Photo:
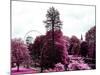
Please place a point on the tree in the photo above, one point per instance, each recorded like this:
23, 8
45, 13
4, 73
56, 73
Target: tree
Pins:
75, 45
37, 46
30, 49
67, 44
54, 50
59, 54
91, 40
36, 49
19, 52
84, 49
53, 23
78, 65
53, 19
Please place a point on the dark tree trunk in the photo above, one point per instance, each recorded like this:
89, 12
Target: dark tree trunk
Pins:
41, 63
27, 66
53, 33
41, 69
17, 67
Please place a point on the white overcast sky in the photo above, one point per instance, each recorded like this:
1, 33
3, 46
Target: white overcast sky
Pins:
28, 16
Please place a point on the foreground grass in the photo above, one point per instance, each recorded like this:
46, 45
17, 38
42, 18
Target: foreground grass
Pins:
23, 71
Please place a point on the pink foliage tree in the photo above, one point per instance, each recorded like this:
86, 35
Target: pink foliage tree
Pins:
58, 54
78, 64
75, 45
37, 49
38, 43
91, 40
54, 49
19, 52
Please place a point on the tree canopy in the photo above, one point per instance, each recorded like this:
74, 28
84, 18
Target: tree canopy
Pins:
19, 51
53, 19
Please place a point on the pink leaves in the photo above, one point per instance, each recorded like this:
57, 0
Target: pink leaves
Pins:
77, 64
59, 53
58, 68
19, 50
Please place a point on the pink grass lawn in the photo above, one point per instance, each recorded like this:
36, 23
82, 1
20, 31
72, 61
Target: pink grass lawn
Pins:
23, 71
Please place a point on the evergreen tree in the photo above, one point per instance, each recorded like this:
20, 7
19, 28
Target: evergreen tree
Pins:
53, 19
54, 49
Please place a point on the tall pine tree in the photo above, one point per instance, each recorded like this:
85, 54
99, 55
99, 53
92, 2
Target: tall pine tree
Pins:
54, 49
53, 19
